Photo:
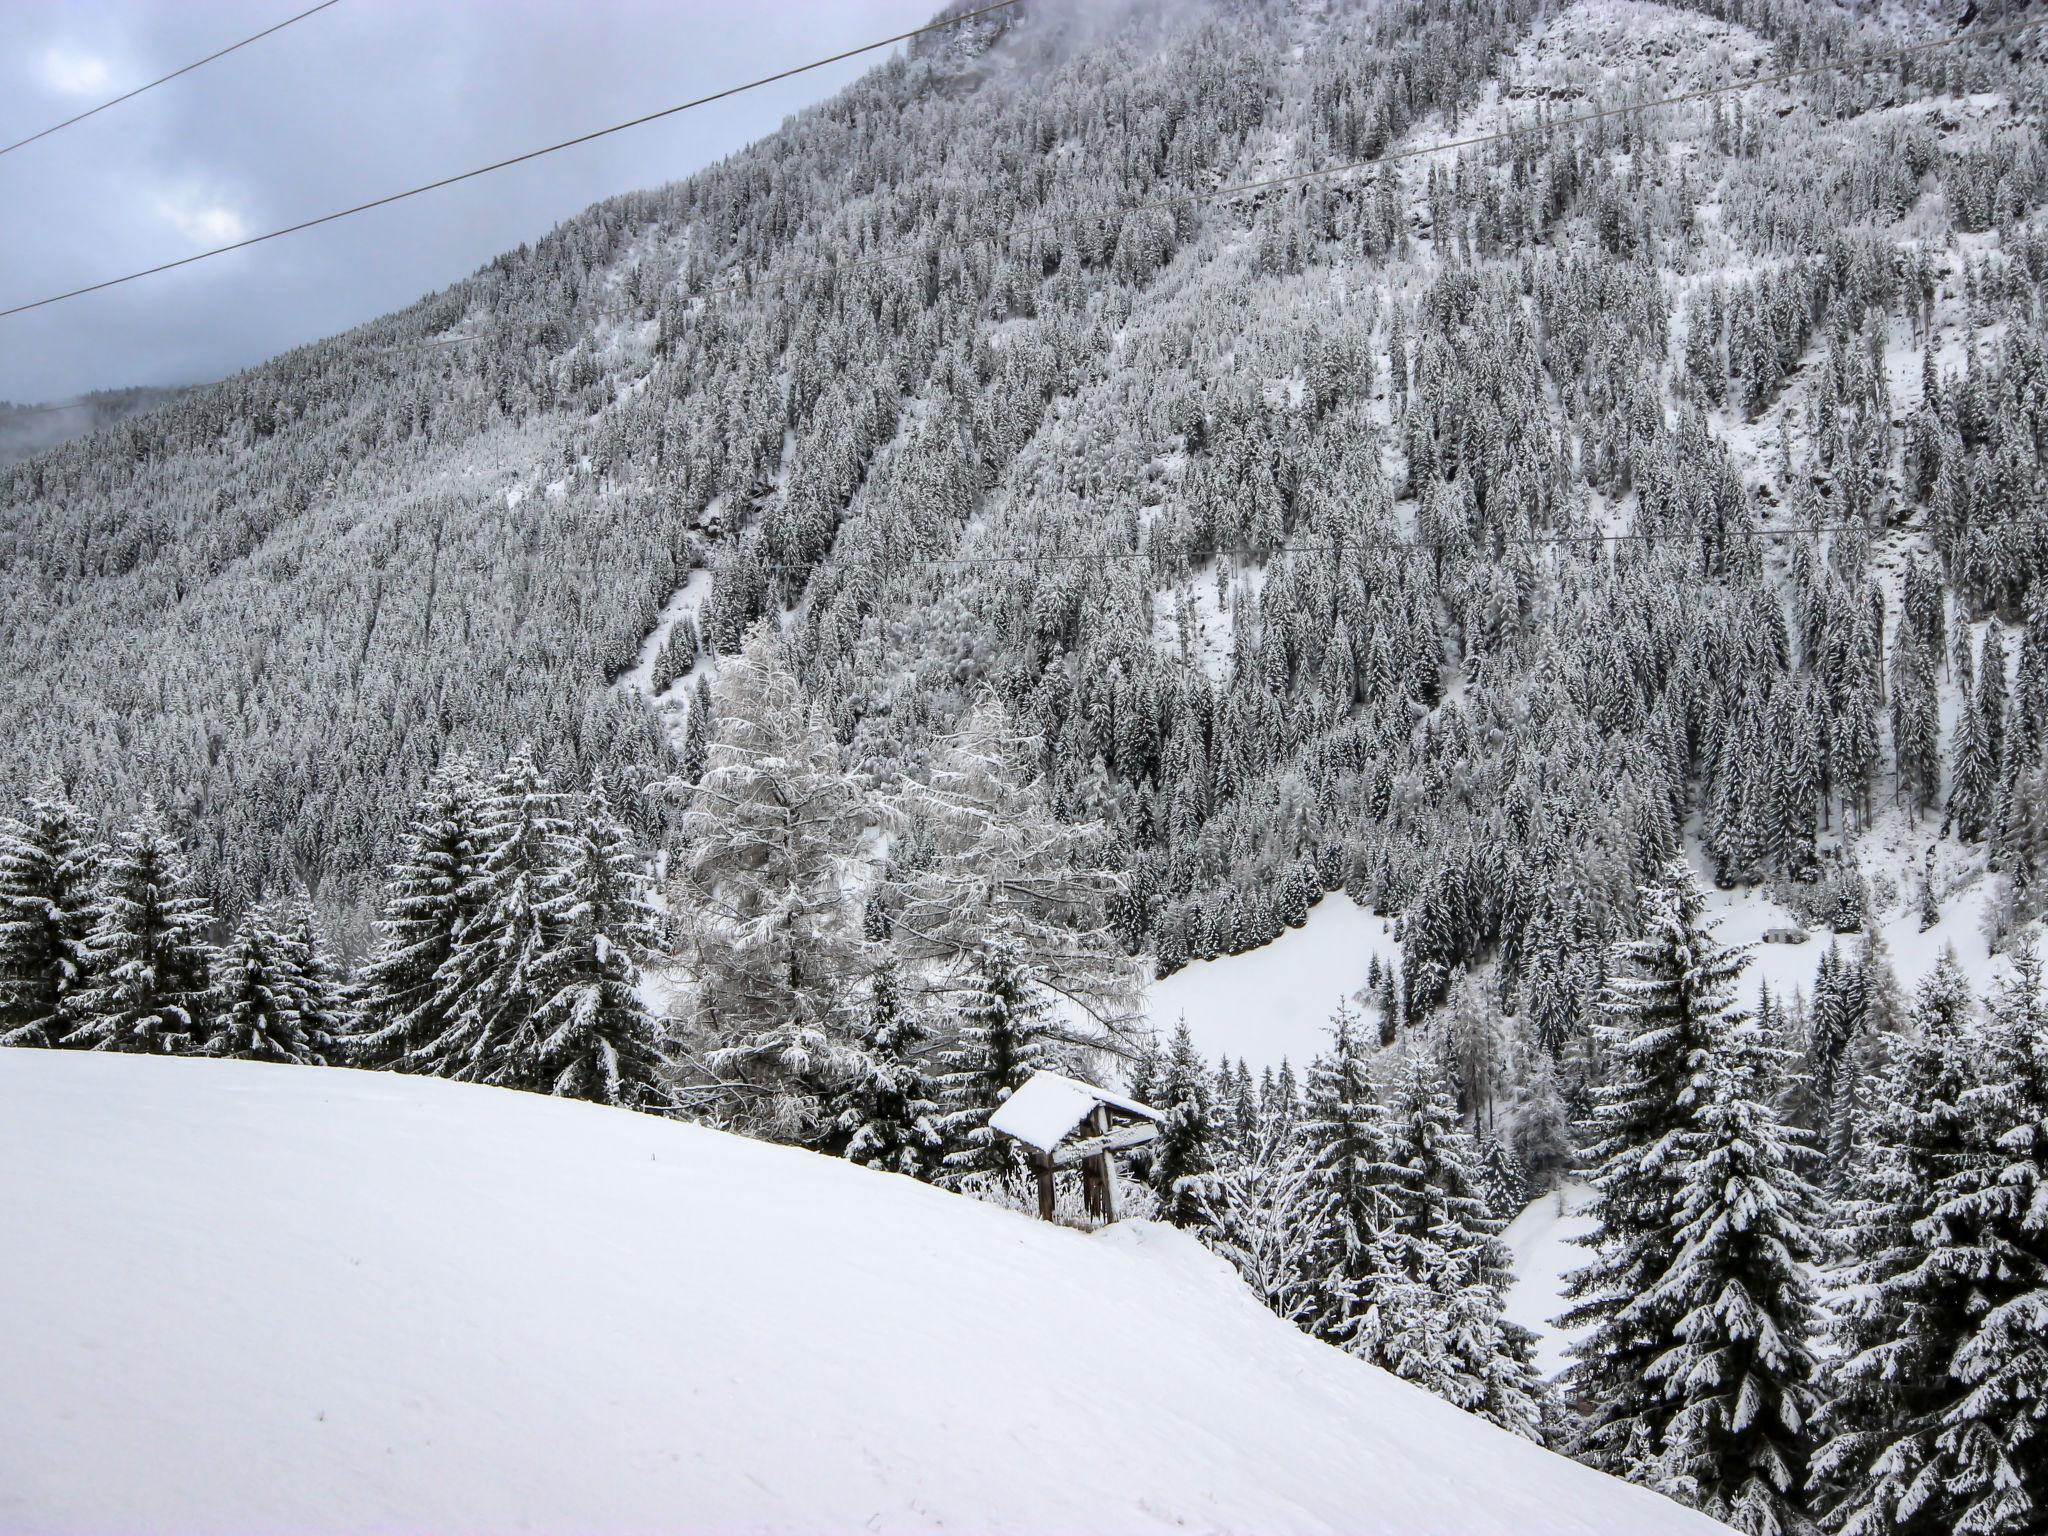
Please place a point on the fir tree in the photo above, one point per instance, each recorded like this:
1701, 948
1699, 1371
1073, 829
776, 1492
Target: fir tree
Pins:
1003, 1037
1740, 1372
47, 870
255, 1014
1665, 1003
147, 957
886, 1109
428, 901
591, 1037
1184, 1155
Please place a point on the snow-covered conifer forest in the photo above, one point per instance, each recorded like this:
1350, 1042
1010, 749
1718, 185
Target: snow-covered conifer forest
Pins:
802, 648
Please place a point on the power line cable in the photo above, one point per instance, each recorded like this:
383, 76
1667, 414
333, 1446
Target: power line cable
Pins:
499, 165
166, 79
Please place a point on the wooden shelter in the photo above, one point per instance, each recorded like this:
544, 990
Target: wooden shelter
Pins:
1062, 1123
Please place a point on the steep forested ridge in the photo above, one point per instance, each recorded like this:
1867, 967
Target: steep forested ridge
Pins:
888, 371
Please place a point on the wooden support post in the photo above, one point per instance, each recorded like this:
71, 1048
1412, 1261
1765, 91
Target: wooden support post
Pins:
1043, 1161
1100, 1173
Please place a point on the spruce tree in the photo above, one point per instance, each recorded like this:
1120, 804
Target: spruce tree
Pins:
48, 864
1665, 1001
147, 957
255, 1014
314, 981
1184, 1157
591, 1037
1434, 1297
1740, 1372
507, 953
1903, 1302
885, 1110
1994, 1435
1002, 1038
1341, 1126
428, 900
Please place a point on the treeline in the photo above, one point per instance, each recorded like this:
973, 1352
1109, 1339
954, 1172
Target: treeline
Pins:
1817, 1273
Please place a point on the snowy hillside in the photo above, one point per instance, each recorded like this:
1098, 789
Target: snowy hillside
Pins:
246, 1298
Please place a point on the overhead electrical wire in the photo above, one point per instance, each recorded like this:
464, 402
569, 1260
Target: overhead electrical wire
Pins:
510, 160
220, 53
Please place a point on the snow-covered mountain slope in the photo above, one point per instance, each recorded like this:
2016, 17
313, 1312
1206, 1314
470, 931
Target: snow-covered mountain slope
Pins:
1274, 1003
249, 1298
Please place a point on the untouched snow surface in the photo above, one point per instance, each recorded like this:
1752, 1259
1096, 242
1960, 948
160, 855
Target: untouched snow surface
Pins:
1541, 1238
1276, 1000
249, 1298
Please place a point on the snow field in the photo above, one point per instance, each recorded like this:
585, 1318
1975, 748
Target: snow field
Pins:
245, 1298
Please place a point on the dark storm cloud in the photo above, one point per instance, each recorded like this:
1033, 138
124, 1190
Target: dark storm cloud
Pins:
362, 99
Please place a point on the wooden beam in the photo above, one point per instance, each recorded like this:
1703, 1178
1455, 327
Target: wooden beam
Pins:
1115, 1141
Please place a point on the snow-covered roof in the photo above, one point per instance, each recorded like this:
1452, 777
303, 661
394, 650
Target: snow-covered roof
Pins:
1048, 1106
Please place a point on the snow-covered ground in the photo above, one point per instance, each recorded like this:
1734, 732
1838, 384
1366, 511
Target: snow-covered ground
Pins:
1276, 1001
1542, 1240
247, 1298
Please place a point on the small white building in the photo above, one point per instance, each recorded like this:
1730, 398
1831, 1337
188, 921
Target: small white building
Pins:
1062, 1122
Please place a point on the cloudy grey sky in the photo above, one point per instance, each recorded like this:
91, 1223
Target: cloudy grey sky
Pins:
365, 98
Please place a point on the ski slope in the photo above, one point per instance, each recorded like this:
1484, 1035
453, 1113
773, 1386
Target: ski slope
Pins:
244, 1298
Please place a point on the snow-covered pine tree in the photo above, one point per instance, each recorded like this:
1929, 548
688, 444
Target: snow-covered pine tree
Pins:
1741, 1370
591, 1037
428, 900
1664, 1003
1003, 1036
1502, 1180
1341, 1125
1434, 1297
509, 950
318, 989
768, 932
1903, 1302
1994, 1435
48, 864
997, 865
255, 1006
147, 957
1269, 1211
885, 1111
1184, 1156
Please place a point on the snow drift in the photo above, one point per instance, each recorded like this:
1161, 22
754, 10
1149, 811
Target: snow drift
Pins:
249, 1298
